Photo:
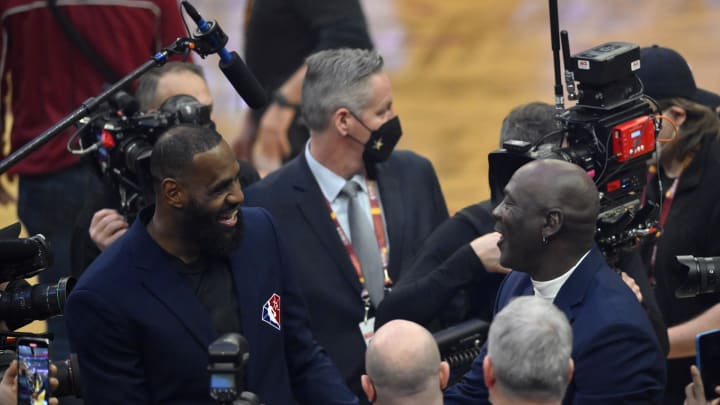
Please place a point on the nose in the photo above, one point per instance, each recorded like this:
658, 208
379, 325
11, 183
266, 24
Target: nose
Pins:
236, 196
496, 211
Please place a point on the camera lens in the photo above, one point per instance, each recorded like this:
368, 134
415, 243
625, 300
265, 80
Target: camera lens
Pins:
22, 301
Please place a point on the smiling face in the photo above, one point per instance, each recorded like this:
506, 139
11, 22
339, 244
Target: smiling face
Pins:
211, 217
519, 218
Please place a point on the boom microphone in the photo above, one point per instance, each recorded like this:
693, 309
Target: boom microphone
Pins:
211, 39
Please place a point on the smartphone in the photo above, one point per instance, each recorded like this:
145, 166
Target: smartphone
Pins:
33, 371
707, 346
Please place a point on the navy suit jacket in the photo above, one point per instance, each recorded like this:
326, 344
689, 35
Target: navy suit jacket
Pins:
413, 205
142, 336
617, 357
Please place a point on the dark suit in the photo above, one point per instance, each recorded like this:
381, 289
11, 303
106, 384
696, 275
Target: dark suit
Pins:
142, 336
617, 357
413, 206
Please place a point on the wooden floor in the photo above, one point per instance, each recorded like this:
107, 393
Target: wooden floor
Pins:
470, 61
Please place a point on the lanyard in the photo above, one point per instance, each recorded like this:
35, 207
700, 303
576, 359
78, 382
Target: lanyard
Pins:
668, 199
376, 213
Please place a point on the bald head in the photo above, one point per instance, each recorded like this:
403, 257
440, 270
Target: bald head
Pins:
562, 185
403, 360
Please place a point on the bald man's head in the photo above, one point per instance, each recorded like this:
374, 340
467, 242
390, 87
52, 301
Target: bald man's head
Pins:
549, 213
403, 360
556, 183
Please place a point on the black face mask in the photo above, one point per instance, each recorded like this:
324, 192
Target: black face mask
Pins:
382, 140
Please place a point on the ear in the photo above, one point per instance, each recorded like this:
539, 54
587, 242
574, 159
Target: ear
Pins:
571, 371
444, 374
554, 219
172, 192
678, 115
341, 120
488, 373
368, 387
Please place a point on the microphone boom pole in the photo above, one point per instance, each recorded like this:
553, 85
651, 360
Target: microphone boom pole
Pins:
90, 104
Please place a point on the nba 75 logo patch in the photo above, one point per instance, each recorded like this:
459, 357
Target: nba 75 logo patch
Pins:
271, 311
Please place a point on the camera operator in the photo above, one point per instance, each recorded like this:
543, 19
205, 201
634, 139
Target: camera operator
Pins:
686, 183
100, 223
457, 267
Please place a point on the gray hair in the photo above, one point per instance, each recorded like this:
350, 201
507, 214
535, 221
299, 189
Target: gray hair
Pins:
529, 344
530, 123
337, 78
146, 92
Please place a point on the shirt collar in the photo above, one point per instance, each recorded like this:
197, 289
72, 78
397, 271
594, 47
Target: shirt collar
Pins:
330, 183
550, 288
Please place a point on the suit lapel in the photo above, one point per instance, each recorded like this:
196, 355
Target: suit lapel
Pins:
391, 196
246, 272
313, 207
573, 291
159, 275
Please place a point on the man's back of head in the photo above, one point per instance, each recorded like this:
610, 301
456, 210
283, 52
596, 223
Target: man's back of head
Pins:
403, 366
528, 360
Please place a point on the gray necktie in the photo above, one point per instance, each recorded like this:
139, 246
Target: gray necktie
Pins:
364, 243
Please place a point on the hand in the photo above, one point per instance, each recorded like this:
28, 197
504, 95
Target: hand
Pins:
695, 392
271, 142
106, 227
633, 285
487, 250
9, 385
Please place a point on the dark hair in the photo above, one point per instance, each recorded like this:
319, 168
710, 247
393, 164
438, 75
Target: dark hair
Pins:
148, 82
530, 122
173, 153
700, 122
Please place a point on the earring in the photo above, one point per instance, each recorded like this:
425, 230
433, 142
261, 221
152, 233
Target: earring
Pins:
544, 240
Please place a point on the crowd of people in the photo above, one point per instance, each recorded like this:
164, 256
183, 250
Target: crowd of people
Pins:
334, 254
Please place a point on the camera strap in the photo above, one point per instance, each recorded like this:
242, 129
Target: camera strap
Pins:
110, 75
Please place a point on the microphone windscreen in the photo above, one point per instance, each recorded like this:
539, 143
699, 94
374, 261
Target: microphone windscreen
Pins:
244, 81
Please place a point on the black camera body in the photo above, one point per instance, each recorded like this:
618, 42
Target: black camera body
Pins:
610, 133
21, 258
120, 139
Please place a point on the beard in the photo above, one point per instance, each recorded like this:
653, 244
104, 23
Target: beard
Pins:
200, 228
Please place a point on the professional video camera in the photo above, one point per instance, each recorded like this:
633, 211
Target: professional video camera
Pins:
120, 139
610, 133
20, 258
702, 277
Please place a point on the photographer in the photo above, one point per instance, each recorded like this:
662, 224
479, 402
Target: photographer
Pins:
685, 182
100, 223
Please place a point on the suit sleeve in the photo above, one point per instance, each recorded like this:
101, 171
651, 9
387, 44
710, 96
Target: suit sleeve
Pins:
440, 210
445, 264
108, 353
619, 365
314, 378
